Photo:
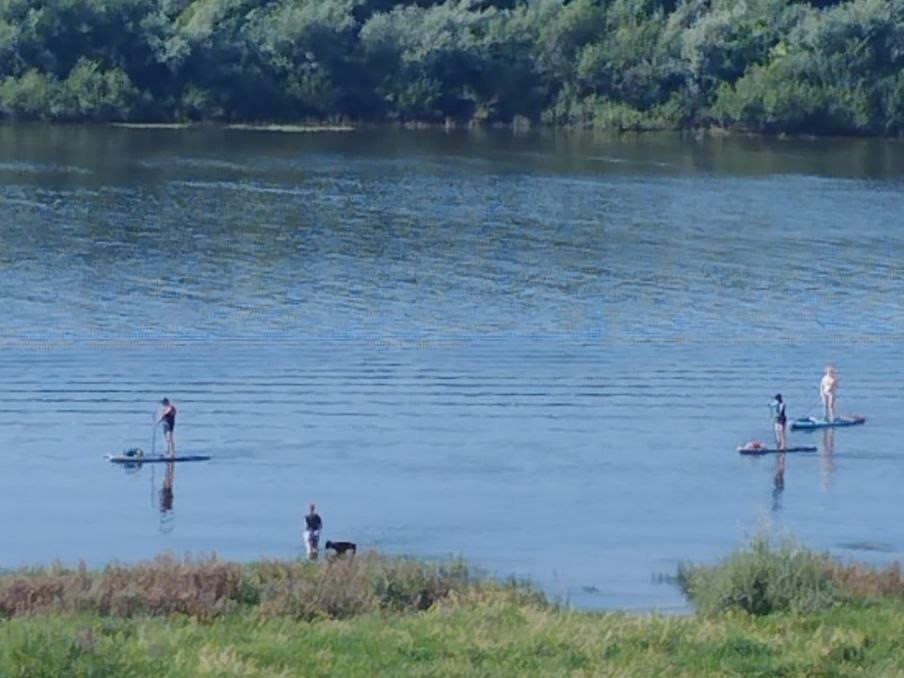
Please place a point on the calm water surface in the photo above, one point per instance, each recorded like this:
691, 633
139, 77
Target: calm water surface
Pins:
538, 352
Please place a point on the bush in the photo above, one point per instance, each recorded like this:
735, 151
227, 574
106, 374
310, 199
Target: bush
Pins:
32, 96
761, 580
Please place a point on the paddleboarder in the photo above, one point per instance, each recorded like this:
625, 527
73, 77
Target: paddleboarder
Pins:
779, 421
828, 387
168, 417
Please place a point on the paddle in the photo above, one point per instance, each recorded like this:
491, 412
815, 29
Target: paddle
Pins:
154, 435
817, 405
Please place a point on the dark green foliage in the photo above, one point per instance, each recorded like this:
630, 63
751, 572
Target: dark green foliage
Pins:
825, 66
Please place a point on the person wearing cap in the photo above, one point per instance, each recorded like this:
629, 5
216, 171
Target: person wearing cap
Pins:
168, 417
779, 421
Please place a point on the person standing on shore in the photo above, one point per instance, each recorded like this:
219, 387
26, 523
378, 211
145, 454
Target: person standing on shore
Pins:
779, 421
313, 525
828, 387
168, 417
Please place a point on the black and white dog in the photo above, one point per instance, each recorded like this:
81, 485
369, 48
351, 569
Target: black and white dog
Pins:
341, 547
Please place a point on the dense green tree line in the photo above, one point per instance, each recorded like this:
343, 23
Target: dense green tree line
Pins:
820, 66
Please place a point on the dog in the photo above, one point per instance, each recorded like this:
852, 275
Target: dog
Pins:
341, 547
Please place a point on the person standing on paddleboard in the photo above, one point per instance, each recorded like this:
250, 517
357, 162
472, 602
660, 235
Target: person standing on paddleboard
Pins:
827, 388
779, 421
168, 417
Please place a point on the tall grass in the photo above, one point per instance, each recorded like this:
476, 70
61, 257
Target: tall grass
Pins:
376, 616
207, 588
768, 577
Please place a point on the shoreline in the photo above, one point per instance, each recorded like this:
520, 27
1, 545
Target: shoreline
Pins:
781, 614
699, 133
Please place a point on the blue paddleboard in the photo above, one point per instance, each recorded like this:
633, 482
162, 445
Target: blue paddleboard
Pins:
157, 459
770, 450
811, 423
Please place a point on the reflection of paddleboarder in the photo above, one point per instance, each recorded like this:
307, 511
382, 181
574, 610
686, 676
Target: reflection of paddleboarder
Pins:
166, 492
163, 499
778, 482
168, 417
828, 456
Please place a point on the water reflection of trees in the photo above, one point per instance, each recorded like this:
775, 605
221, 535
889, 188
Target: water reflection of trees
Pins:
154, 229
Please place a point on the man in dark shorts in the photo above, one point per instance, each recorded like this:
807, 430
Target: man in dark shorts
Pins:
168, 417
312, 526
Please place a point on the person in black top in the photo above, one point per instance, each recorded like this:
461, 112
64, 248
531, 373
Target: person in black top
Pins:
168, 417
779, 421
313, 525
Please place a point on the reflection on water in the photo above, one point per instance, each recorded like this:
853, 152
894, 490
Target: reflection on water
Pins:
827, 457
167, 517
161, 499
778, 481
826, 464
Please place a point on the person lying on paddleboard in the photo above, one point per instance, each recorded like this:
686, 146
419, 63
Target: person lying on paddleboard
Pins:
168, 417
828, 387
779, 421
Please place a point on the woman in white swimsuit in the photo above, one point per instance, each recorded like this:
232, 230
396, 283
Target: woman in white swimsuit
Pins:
827, 388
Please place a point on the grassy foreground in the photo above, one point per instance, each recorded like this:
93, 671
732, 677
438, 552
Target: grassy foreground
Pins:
387, 617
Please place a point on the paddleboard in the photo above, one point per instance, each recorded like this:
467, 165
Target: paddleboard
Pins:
811, 423
770, 450
157, 459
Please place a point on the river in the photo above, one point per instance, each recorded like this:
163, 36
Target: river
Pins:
536, 351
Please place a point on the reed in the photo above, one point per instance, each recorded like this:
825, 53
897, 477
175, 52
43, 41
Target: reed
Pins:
206, 588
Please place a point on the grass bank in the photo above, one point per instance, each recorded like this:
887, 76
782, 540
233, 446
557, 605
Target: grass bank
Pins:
475, 638
757, 615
